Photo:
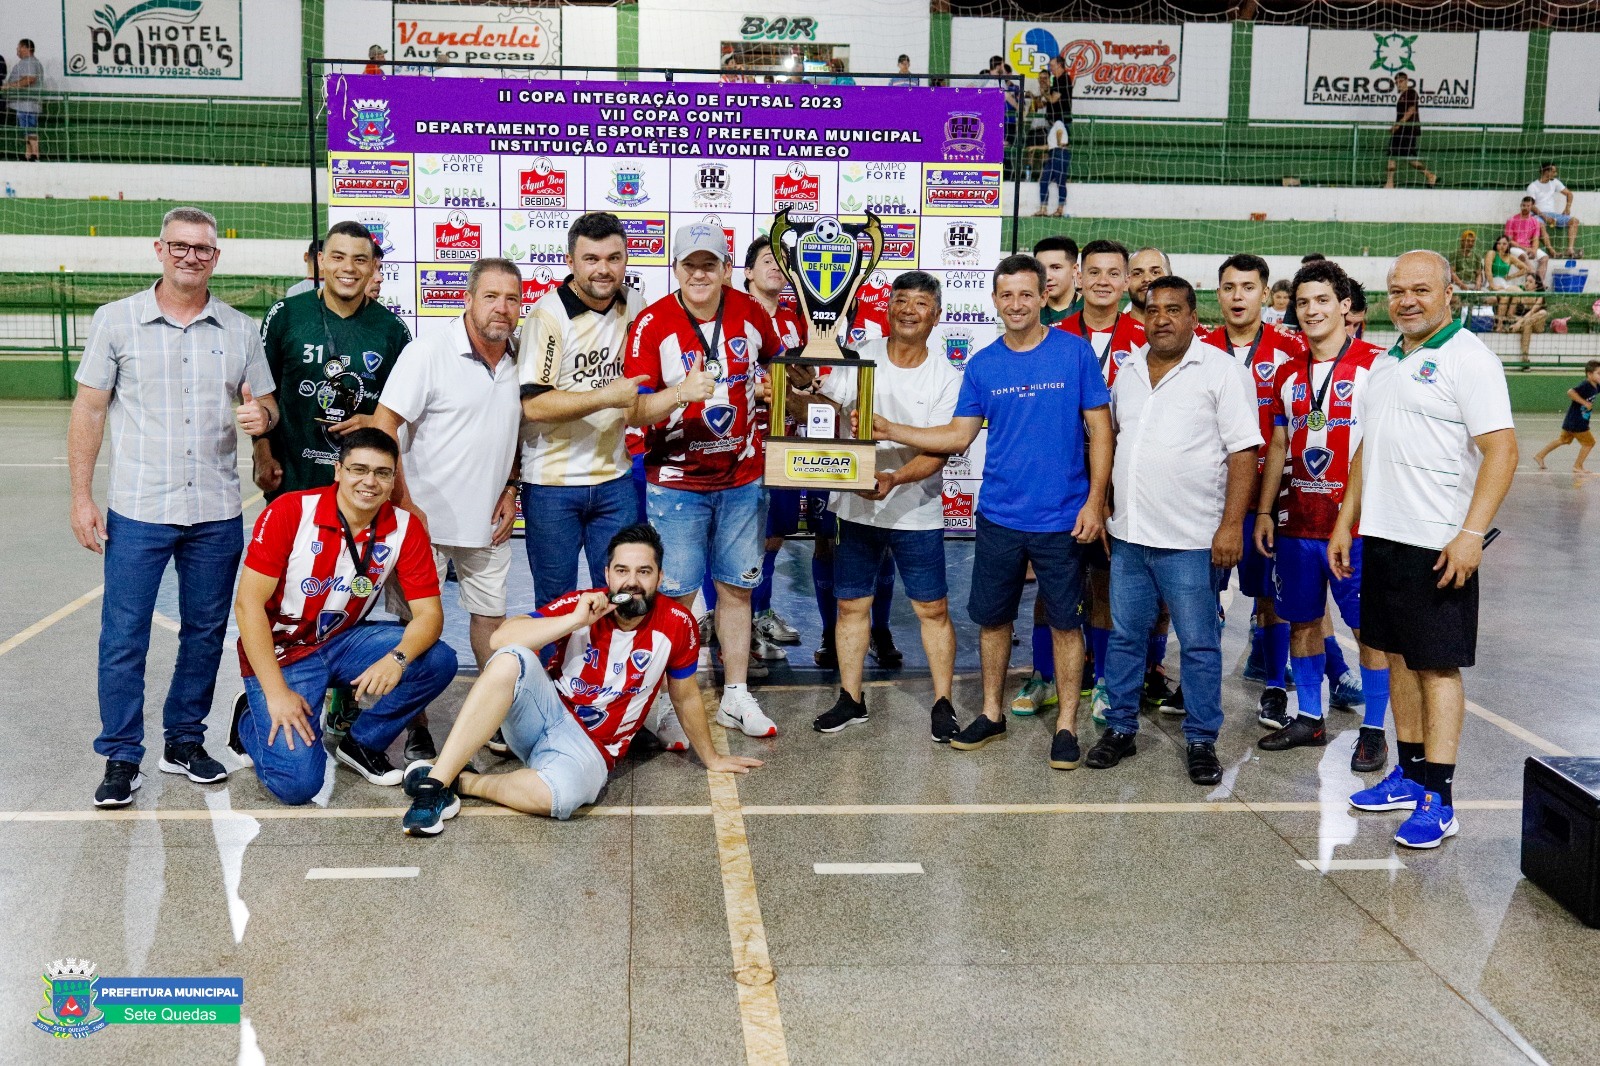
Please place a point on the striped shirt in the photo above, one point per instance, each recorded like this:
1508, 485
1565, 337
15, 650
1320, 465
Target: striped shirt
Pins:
568, 345
298, 540
174, 443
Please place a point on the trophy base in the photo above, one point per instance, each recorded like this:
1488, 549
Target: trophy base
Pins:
805, 463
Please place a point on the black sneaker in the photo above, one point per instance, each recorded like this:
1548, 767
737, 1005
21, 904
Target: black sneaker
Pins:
1156, 689
884, 653
1064, 751
122, 780
1174, 704
1303, 732
241, 707
343, 710
1371, 751
432, 804
846, 711
943, 722
1204, 769
370, 763
192, 761
825, 656
978, 733
1273, 710
1110, 749
419, 745
497, 743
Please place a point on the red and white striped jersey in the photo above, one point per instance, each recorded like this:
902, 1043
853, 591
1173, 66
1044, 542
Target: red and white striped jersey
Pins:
608, 676
1319, 459
298, 541
1261, 358
717, 443
1111, 347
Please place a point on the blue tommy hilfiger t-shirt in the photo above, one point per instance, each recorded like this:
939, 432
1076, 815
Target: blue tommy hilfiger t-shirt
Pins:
1035, 475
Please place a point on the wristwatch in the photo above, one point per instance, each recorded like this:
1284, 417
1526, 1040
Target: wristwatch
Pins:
400, 657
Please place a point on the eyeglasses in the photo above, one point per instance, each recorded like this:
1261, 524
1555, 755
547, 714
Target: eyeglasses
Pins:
382, 473
180, 249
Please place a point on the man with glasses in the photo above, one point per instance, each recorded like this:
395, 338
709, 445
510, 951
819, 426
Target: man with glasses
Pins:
178, 373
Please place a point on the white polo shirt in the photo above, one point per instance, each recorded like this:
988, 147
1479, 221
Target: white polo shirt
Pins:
463, 420
1170, 476
1419, 414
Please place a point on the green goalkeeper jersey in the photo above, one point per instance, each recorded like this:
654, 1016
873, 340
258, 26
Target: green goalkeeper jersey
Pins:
303, 338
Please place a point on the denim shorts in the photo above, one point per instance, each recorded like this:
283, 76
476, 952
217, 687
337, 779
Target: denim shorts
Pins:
723, 530
1301, 578
544, 735
918, 555
1000, 558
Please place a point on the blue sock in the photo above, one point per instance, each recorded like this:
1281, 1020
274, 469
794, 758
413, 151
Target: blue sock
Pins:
1276, 649
1044, 653
1337, 667
822, 585
1375, 683
761, 598
1308, 684
1155, 650
708, 589
883, 594
1099, 640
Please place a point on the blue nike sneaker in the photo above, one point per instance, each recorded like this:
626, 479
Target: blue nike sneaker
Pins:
1397, 792
1429, 825
1345, 694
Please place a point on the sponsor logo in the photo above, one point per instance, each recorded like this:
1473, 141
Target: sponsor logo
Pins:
190, 39
369, 125
627, 186
782, 28
966, 280
899, 242
443, 290
960, 243
957, 504
591, 717
328, 621
957, 349
1317, 461
69, 991
377, 224
963, 134
541, 282
646, 237
713, 186
634, 280
797, 189
457, 240
542, 186
372, 179
308, 389
962, 187
1130, 62
810, 464
1359, 67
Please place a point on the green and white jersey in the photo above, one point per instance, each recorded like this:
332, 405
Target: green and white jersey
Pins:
302, 338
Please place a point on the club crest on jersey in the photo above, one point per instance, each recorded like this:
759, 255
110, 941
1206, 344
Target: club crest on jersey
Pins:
1317, 461
316, 547
328, 621
1427, 373
1343, 390
739, 347
372, 361
380, 553
857, 335
719, 417
591, 717
640, 659
1118, 357
1264, 370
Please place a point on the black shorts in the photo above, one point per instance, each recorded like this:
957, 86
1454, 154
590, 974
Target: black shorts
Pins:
1404, 612
1403, 142
1000, 558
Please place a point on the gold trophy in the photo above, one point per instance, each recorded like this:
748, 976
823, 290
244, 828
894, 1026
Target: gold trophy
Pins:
826, 260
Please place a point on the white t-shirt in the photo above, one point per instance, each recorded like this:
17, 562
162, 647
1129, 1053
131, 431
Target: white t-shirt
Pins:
1418, 416
463, 422
1547, 198
923, 396
1170, 474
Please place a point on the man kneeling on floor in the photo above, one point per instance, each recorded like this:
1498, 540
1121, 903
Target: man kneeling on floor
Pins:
315, 567
608, 651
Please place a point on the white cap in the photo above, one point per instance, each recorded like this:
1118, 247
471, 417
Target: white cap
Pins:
700, 237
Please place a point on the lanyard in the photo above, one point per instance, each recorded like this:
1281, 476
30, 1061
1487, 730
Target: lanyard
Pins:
1316, 419
1249, 359
362, 560
713, 365
1084, 332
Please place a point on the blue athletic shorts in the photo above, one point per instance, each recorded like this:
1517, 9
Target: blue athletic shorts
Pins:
791, 511
918, 555
1255, 569
1301, 579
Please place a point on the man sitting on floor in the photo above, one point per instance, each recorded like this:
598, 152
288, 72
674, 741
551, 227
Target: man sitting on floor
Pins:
572, 724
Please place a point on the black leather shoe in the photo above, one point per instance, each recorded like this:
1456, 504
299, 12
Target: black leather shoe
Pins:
1204, 769
1371, 752
1110, 749
1303, 732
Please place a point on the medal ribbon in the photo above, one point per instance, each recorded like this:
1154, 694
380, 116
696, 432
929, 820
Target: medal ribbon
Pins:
1084, 332
714, 347
1319, 395
362, 560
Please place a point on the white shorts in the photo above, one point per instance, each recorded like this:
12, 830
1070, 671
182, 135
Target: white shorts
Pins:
481, 573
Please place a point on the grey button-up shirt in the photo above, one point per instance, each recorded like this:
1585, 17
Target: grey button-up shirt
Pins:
174, 442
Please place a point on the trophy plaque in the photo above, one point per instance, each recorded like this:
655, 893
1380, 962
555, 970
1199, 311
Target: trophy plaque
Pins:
826, 260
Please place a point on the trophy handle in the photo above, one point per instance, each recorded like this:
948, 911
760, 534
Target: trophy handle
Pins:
874, 231
780, 252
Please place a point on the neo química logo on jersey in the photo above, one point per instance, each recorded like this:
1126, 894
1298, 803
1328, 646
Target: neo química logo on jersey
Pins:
79, 1002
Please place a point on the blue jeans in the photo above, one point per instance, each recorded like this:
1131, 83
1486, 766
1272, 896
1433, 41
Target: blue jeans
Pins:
296, 776
559, 519
1056, 164
207, 558
1142, 579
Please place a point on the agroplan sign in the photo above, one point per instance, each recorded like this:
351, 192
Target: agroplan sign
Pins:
1357, 68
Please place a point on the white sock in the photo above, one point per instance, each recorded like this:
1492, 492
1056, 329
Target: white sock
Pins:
732, 688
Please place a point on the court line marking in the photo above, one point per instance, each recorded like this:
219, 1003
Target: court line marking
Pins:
1527, 736
14, 642
753, 975
1323, 866
703, 811
866, 867
359, 873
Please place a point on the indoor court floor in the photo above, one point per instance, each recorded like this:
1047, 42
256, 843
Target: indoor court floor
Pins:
1030, 915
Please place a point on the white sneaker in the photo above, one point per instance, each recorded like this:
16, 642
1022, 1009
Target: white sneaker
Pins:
767, 624
739, 710
765, 649
663, 722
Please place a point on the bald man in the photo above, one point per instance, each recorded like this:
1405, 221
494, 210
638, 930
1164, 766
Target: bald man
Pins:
1435, 462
